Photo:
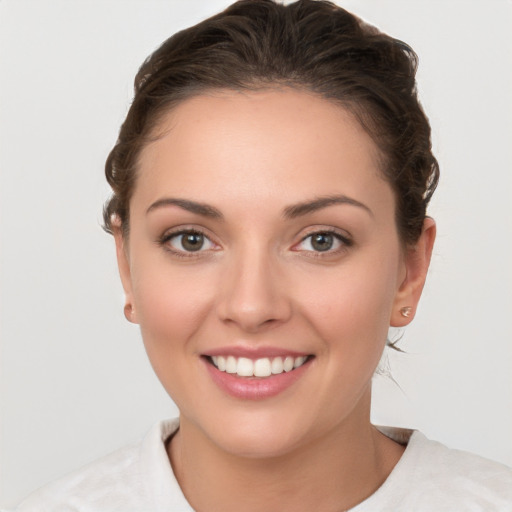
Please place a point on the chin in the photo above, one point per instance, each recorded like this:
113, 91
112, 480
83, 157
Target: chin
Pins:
259, 434
258, 444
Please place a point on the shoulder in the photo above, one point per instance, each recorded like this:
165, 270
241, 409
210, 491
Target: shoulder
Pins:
463, 470
124, 480
433, 477
90, 484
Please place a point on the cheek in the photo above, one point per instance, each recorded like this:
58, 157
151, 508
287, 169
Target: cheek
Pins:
351, 308
171, 304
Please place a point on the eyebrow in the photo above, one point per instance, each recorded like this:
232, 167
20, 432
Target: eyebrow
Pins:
290, 212
297, 210
203, 209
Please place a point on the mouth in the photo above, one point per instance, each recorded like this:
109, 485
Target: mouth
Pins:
256, 373
260, 368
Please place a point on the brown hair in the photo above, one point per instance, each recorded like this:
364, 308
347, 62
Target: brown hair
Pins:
312, 45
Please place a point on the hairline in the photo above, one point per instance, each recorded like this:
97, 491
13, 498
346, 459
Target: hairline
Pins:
156, 131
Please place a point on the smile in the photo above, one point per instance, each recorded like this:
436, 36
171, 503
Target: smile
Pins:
250, 374
263, 367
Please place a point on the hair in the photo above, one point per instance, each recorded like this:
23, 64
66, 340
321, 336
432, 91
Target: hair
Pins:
310, 45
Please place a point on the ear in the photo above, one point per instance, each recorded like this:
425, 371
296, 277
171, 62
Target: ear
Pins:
123, 264
417, 261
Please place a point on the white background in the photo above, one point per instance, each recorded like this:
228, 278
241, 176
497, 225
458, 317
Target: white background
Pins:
75, 383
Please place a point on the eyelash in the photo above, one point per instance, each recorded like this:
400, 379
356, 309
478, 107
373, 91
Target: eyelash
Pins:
167, 237
345, 242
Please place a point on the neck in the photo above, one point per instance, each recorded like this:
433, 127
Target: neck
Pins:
332, 473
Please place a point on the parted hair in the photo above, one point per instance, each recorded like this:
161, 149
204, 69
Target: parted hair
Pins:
310, 45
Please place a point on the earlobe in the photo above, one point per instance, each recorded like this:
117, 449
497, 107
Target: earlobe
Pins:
129, 312
417, 261
123, 264
406, 311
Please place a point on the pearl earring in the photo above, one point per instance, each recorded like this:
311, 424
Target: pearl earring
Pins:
406, 311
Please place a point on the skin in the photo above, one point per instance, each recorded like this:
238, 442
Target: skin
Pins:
259, 282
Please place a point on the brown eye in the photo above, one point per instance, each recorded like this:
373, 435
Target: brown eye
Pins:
188, 241
322, 241
192, 241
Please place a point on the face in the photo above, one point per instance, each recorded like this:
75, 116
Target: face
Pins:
264, 267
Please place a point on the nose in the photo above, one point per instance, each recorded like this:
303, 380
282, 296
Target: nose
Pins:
253, 292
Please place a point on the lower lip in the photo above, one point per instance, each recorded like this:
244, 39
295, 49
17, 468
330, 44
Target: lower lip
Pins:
255, 388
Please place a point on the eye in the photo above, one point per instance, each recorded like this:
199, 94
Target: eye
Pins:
323, 241
187, 241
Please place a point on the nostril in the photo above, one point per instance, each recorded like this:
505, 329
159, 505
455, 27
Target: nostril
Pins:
253, 324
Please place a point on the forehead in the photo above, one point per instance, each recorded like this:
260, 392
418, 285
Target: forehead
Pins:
266, 145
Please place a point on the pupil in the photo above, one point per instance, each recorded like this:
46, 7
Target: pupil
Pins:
192, 241
322, 242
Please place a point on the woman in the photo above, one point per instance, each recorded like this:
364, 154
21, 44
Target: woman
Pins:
270, 183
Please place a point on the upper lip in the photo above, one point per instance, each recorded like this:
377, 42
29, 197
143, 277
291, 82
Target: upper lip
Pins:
253, 352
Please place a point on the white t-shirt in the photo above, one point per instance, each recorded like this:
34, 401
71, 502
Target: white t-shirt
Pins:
428, 478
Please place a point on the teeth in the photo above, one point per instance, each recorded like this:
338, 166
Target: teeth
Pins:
264, 367
299, 361
288, 364
277, 365
231, 364
245, 367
